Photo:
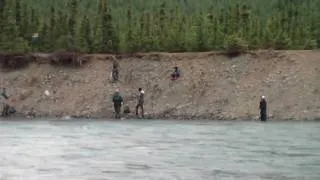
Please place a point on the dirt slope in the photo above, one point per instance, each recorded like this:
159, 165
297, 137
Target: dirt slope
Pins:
212, 86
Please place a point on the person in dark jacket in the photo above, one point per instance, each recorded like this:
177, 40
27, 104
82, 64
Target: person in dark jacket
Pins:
117, 102
4, 93
115, 71
140, 102
6, 107
263, 109
176, 73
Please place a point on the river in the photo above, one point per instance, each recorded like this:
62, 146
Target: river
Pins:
159, 149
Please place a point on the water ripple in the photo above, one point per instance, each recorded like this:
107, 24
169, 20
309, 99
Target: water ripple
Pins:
159, 150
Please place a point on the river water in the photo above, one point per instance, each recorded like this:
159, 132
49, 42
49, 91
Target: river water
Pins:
155, 149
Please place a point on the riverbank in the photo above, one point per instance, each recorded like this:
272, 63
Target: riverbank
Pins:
212, 86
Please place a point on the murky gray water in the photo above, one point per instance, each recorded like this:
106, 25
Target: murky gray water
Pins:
92, 150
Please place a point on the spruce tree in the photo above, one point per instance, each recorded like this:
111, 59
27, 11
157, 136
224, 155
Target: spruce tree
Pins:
25, 24
2, 19
35, 21
62, 24
200, 40
162, 30
109, 37
53, 24
85, 35
64, 39
161, 25
18, 16
130, 45
11, 41
45, 43
73, 22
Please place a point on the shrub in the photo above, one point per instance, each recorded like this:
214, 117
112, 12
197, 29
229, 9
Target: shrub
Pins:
235, 46
66, 58
15, 60
282, 42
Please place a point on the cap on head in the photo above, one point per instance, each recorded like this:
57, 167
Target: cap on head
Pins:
140, 89
263, 97
117, 90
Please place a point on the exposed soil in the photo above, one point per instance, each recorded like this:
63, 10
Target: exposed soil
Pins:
212, 85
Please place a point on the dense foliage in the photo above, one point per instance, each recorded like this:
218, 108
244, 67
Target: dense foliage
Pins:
158, 25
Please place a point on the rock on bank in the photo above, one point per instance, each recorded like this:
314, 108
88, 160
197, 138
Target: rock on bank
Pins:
212, 85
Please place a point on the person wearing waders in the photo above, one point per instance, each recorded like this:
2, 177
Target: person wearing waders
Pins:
115, 71
5, 110
263, 109
117, 102
140, 102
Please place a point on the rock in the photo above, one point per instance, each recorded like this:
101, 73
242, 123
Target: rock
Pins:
46, 92
126, 109
25, 94
65, 77
31, 113
32, 81
66, 117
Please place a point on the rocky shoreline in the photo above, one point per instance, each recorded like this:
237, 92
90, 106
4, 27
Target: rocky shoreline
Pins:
20, 116
212, 86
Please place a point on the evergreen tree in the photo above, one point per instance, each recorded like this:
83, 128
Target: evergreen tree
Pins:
25, 24
129, 36
158, 25
2, 20
73, 22
109, 37
45, 43
35, 21
18, 15
201, 41
162, 29
86, 35
53, 24
11, 41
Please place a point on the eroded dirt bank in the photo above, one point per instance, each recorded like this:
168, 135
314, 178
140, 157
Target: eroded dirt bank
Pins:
212, 86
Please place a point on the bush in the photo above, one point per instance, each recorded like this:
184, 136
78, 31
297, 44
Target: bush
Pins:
310, 44
282, 42
235, 46
66, 58
15, 60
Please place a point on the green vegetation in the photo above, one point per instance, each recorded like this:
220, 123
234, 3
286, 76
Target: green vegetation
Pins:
108, 26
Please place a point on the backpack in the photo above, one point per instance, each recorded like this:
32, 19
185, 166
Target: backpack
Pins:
12, 110
126, 109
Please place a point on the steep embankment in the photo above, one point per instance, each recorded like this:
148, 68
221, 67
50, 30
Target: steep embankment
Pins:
212, 86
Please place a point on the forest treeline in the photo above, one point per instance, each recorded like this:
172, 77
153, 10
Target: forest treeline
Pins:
112, 26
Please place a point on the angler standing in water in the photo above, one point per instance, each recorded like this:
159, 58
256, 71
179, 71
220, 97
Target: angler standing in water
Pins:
117, 102
140, 102
263, 109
